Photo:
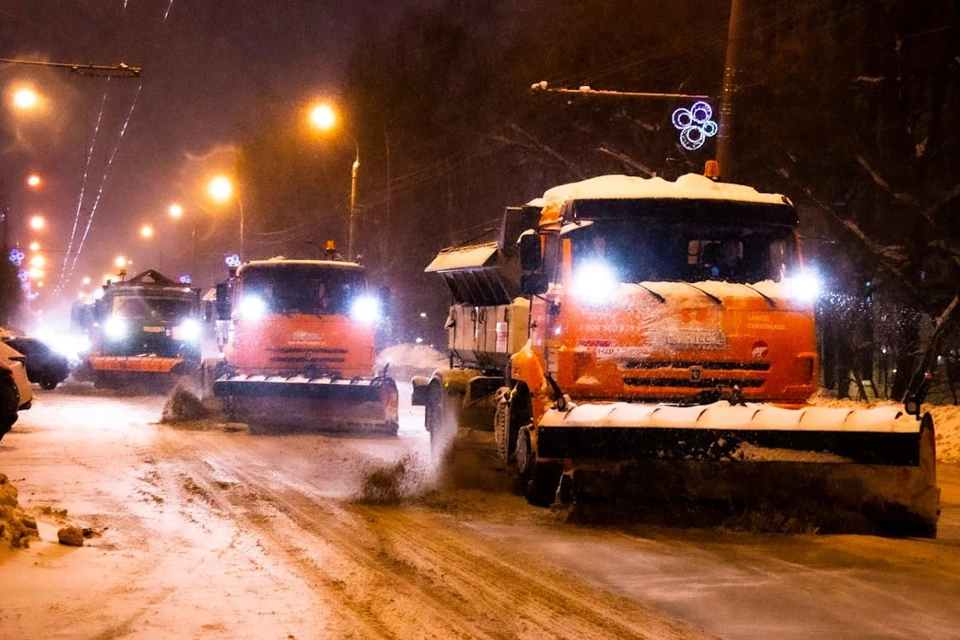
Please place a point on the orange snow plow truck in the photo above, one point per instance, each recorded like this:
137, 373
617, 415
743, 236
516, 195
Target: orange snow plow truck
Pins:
300, 346
661, 333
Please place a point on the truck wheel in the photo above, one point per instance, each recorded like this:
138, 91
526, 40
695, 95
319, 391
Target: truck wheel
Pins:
538, 480
49, 383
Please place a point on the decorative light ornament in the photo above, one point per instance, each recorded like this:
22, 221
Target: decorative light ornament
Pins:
233, 261
16, 257
186, 279
695, 125
23, 275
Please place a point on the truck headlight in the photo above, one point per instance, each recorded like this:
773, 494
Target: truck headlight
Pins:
188, 330
252, 308
115, 328
805, 287
365, 309
595, 283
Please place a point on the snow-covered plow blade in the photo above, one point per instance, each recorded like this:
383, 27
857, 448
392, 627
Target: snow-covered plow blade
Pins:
874, 466
137, 364
325, 403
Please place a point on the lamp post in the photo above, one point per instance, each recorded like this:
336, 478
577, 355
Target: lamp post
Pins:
324, 118
176, 212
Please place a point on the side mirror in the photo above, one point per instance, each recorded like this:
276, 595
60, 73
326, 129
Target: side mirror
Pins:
224, 301
533, 280
530, 257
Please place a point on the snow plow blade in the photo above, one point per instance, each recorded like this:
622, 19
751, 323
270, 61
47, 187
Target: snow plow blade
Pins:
366, 405
876, 465
137, 364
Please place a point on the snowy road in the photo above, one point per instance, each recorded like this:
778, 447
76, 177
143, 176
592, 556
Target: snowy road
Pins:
220, 534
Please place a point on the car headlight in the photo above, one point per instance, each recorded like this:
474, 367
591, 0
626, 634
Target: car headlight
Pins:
252, 308
595, 284
115, 328
805, 287
189, 330
365, 309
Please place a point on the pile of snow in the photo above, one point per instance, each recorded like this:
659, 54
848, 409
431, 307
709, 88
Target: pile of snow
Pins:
16, 527
690, 186
408, 360
390, 483
946, 422
183, 406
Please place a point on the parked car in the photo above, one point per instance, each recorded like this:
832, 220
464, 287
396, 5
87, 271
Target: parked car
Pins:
45, 366
15, 392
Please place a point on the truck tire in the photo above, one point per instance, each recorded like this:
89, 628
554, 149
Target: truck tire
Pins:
538, 480
9, 403
49, 383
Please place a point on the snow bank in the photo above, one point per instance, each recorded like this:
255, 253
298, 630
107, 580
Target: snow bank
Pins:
408, 360
689, 186
16, 527
946, 422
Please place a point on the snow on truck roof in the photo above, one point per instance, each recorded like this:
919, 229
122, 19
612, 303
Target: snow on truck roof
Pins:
691, 186
280, 262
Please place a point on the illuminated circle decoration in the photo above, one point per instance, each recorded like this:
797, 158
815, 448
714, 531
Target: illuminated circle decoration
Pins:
25, 286
186, 279
16, 257
695, 125
233, 261
23, 275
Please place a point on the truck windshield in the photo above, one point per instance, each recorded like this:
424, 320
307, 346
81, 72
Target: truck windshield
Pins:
152, 307
654, 251
304, 288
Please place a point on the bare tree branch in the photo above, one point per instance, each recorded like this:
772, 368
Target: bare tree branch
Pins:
930, 213
529, 142
905, 198
628, 161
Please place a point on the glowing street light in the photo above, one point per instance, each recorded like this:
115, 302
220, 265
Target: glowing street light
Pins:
323, 117
37, 223
25, 99
176, 210
146, 231
38, 261
86, 280
121, 262
33, 180
35, 273
34, 246
220, 189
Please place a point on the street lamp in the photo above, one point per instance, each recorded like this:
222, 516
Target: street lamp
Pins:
175, 210
34, 246
120, 262
33, 181
37, 223
221, 189
324, 118
146, 231
25, 99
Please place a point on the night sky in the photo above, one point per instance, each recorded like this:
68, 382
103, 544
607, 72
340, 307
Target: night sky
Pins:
205, 68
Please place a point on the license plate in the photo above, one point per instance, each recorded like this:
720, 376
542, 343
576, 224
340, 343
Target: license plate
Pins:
154, 330
697, 339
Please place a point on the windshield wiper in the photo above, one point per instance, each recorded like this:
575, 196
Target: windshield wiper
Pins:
656, 295
770, 301
712, 297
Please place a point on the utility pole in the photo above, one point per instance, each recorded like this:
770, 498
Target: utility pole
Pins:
725, 135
